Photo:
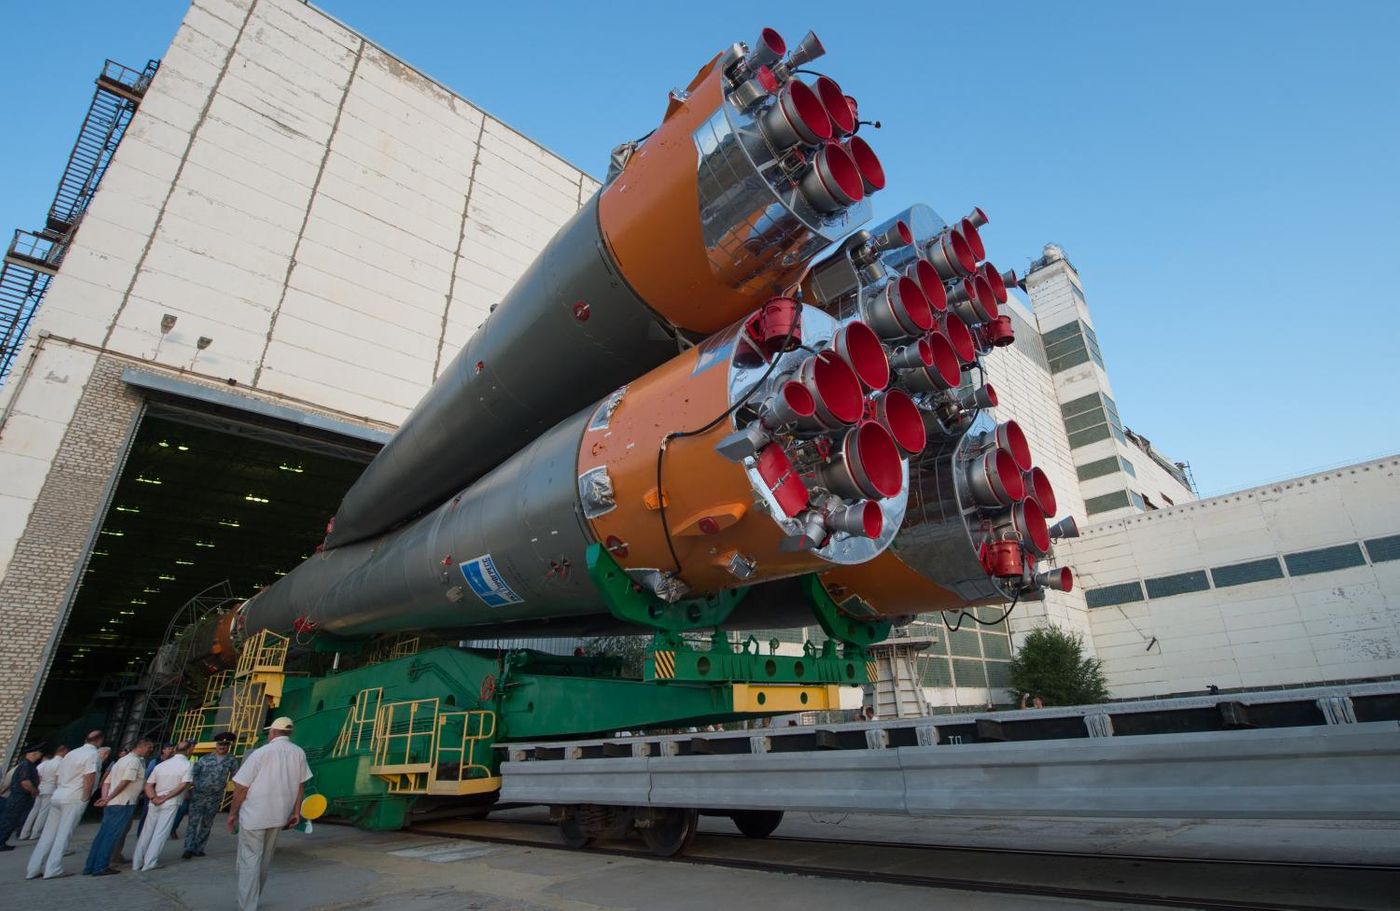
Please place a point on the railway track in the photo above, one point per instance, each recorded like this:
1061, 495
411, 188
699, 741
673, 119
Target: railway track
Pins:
1218, 885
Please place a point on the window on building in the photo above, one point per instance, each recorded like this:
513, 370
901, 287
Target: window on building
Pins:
1146, 502
1324, 559
1071, 345
1177, 584
1383, 550
1097, 468
1244, 573
1166, 499
1109, 595
1115, 500
1091, 418
968, 672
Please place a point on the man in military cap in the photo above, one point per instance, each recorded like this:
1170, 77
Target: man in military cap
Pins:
211, 775
24, 787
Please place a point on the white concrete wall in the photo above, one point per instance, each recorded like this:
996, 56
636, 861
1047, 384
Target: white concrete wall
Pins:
1342, 624
334, 221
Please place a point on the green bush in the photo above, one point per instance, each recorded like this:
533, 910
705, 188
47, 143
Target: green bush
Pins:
1052, 665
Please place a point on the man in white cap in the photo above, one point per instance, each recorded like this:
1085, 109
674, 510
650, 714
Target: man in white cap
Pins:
76, 776
266, 799
165, 789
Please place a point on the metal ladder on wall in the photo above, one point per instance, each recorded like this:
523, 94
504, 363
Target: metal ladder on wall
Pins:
34, 257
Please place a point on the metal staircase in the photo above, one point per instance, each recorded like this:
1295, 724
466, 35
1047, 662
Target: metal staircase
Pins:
34, 257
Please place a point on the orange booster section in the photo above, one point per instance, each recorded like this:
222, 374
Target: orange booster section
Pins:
747, 458
745, 180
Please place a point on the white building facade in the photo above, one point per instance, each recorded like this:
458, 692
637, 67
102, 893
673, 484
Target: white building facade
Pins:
299, 226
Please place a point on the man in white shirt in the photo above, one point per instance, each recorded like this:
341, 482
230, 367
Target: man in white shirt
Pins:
266, 799
48, 780
123, 786
165, 789
76, 775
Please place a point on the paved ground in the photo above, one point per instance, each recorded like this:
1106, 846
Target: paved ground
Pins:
343, 869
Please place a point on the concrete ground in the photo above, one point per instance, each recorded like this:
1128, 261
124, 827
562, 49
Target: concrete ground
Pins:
340, 868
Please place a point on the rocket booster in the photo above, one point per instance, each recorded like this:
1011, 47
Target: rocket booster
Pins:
677, 382
718, 209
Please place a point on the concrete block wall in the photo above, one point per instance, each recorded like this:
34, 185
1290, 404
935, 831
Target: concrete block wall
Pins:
98, 414
1340, 624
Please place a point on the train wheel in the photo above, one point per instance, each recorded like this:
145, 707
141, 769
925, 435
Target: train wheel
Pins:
757, 823
671, 831
573, 833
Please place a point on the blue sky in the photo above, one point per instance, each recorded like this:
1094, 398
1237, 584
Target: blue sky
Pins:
1223, 175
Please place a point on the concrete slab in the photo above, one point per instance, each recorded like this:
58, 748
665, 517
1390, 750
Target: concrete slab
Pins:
342, 869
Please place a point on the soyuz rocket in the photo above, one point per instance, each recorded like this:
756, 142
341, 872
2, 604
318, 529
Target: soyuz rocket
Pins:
714, 373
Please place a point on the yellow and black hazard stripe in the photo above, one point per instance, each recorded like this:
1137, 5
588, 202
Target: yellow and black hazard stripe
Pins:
872, 672
665, 664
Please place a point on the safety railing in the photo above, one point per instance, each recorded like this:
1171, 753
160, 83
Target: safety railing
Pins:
264, 653
214, 688
464, 740
357, 733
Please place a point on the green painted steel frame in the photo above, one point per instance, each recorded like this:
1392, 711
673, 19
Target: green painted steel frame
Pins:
630, 603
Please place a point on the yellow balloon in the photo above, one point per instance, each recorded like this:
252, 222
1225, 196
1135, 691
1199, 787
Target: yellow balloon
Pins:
314, 806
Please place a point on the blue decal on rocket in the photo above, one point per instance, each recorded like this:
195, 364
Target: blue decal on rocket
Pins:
485, 580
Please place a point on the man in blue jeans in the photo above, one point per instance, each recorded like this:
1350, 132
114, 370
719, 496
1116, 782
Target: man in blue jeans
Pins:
120, 791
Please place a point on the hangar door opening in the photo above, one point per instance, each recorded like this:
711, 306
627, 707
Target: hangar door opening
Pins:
207, 494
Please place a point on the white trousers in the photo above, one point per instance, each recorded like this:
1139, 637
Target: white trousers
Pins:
159, 821
58, 828
34, 822
255, 847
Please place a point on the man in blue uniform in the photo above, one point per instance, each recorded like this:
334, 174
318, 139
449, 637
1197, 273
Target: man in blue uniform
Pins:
24, 787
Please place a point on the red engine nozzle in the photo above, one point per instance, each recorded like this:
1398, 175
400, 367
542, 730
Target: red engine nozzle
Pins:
832, 181
994, 480
1038, 487
843, 121
872, 173
898, 414
798, 118
868, 465
858, 345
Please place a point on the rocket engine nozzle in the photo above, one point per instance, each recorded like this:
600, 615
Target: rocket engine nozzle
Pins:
872, 173
1065, 528
977, 218
923, 272
798, 118
832, 181
960, 336
1028, 520
973, 237
767, 50
862, 520
898, 414
843, 119
994, 480
1010, 437
1039, 488
984, 396
858, 345
867, 465
939, 369
835, 389
951, 254
1060, 579
807, 50
897, 310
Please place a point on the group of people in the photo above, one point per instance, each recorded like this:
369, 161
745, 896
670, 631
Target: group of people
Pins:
47, 798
